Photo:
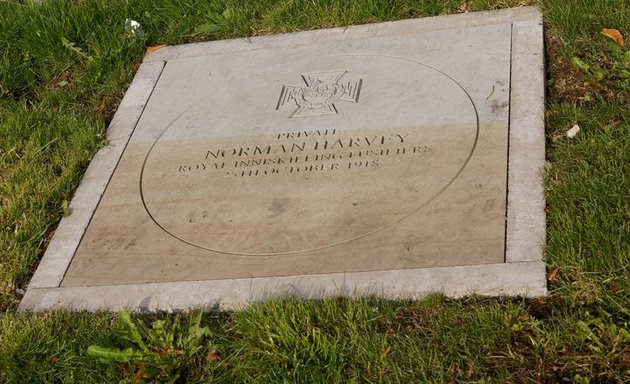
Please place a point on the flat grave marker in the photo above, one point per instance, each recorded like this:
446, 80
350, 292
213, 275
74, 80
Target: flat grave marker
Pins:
394, 159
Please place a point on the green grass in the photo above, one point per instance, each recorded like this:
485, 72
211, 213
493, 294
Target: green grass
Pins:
64, 67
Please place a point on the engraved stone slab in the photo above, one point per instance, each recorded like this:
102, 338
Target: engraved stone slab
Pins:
323, 162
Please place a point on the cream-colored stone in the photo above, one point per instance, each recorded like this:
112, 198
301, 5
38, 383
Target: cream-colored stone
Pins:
375, 157
330, 158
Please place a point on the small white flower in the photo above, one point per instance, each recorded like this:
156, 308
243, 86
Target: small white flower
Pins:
134, 28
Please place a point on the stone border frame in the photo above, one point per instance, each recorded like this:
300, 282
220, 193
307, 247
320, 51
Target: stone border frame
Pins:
523, 272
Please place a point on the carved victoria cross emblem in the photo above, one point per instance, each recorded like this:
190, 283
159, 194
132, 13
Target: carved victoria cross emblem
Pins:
322, 90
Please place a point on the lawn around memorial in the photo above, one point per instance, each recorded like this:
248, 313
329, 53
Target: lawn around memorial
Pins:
63, 70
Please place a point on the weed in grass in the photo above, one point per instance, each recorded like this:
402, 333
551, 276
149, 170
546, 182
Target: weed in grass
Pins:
160, 352
607, 74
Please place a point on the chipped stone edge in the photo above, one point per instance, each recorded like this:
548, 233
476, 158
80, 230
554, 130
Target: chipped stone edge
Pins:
526, 227
522, 274
493, 280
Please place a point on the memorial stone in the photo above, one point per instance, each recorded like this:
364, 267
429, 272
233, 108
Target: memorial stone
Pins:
394, 159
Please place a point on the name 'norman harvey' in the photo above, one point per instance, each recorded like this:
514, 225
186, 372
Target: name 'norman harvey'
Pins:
315, 145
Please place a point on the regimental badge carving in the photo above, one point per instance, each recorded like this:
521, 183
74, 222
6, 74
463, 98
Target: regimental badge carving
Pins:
322, 91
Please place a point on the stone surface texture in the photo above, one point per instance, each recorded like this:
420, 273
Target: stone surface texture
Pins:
396, 159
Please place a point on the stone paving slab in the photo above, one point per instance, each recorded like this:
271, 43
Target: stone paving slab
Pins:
396, 159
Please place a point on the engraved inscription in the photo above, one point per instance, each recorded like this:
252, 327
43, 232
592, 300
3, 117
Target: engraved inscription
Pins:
295, 153
322, 90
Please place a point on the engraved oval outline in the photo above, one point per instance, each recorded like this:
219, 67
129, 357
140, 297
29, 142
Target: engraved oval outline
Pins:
472, 150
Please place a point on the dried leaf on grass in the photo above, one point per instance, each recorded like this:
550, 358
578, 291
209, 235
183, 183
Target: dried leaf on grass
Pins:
554, 275
102, 106
615, 35
464, 8
154, 48
213, 356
